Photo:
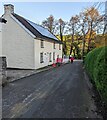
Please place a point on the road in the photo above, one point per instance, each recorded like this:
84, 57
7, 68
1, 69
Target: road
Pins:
62, 92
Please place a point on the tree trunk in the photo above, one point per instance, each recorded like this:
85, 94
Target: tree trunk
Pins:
83, 41
61, 37
83, 47
64, 44
89, 41
72, 39
71, 49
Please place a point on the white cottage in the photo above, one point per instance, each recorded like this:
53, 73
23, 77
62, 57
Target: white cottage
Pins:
27, 45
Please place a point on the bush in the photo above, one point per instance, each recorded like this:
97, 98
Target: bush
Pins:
95, 63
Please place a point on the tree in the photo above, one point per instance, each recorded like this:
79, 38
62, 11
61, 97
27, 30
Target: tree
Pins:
61, 33
90, 22
93, 19
84, 30
73, 24
56, 27
49, 23
60, 27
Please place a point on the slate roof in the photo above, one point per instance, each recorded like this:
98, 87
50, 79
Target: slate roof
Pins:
37, 30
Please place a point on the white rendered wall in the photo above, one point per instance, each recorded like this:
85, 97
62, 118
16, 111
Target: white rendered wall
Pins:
18, 45
48, 48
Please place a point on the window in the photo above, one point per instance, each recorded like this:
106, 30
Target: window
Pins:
57, 56
41, 57
42, 44
54, 45
59, 46
53, 55
50, 57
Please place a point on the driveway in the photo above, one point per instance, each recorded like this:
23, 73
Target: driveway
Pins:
62, 92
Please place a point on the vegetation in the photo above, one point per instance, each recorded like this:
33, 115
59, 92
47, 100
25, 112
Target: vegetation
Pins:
84, 36
80, 34
95, 63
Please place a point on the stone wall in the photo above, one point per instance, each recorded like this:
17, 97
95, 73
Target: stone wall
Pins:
3, 66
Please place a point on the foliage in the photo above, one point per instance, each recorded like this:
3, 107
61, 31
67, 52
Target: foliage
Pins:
79, 34
49, 23
101, 40
95, 63
76, 45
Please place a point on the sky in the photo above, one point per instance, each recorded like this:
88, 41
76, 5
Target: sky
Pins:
39, 11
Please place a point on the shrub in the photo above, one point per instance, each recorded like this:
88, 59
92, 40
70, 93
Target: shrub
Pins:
95, 63
90, 60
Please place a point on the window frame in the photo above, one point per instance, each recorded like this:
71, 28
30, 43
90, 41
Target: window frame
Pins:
54, 45
42, 43
50, 57
53, 55
59, 46
41, 57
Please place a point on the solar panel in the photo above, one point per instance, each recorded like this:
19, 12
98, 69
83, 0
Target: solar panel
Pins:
42, 30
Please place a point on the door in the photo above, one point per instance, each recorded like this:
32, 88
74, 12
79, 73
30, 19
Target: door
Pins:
46, 58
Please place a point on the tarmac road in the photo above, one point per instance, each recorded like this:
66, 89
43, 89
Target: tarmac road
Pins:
62, 92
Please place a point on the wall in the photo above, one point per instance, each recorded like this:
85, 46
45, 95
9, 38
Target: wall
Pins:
3, 66
21, 49
48, 48
18, 45
0, 39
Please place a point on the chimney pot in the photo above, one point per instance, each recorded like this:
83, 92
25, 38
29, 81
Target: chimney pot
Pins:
8, 8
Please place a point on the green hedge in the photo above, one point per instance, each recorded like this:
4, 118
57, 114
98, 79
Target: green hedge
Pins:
96, 65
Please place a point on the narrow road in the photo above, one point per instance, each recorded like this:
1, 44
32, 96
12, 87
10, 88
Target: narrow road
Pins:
63, 92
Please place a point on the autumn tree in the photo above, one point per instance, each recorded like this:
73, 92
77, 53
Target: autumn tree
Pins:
81, 28
73, 27
61, 33
84, 29
49, 23
93, 18
56, 27
60, 26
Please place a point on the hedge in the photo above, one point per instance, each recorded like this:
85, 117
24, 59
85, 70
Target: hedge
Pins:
96, 65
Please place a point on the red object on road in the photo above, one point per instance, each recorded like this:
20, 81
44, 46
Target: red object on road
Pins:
54, 65
71, 58
59, 60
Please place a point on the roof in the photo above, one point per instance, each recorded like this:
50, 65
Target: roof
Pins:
37, 30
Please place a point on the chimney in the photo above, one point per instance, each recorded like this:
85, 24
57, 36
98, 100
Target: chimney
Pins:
8, 9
